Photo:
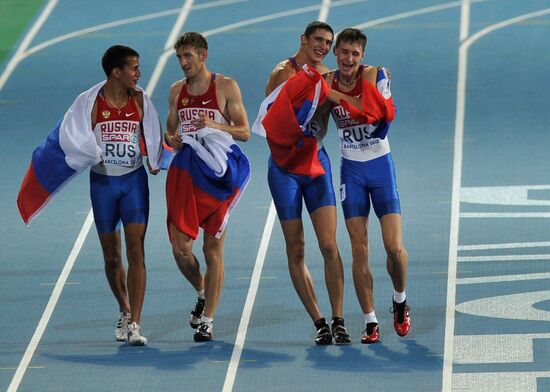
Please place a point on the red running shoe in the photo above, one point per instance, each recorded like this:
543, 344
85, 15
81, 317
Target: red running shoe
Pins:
401, 318
371, 334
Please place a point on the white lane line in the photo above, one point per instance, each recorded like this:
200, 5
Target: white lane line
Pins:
323, 13
278, 15
23, 52
505, 214
408, 14
469, 259
249, 303
44, 320
508, 245
455, 205
457, 176
19, 54
159, 68
122, 22
504, 278
254, 284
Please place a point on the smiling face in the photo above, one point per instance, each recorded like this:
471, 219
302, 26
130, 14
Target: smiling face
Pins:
191, 59
317, 45
348, 57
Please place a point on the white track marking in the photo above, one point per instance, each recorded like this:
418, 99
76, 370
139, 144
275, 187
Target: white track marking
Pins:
19, 54
48, 311
508, 245
50, 307
457, 174
258, 266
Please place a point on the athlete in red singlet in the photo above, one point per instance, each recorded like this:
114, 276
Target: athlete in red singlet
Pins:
202, 99
118, 186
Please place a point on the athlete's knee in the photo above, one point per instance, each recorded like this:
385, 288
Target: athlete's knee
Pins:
360, 251
295, 249
328, 247
182, 250
212, 255
113, 262
395, 251
134, 250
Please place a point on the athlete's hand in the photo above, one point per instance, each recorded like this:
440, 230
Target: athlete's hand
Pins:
174, 141
153, 172
203, 122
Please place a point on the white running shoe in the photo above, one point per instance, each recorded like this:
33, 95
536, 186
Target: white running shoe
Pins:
135, 338
121, 331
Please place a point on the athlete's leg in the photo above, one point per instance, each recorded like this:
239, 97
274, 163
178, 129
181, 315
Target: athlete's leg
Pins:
114, 268
134, 235
324, 224
362, 276
293, 232
214, 276
182, 249
398, 258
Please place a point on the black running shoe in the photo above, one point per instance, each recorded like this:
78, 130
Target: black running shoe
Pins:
196, 314
323, 337
203, 333
339, 332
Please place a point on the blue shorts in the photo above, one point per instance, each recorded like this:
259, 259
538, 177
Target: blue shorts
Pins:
362, 182
116, 198
288, 189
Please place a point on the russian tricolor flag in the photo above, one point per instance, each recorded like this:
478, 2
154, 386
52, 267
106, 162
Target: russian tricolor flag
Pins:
205, 182
288, 111
377, 105
70, 148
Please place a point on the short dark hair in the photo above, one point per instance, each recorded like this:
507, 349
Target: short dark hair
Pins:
193, 39
116, 57
310, 28
351, 35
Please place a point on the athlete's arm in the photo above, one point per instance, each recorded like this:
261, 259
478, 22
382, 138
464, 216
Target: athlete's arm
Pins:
280, 74
230, 100
171, 137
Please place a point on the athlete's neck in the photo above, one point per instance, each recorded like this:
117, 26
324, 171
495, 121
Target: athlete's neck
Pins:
199, 83
301, 59
115, 94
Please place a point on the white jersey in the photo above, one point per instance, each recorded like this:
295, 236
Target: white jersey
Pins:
356, 140
118, 134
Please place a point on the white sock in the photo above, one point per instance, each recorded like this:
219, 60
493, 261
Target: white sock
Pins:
200, 293
399, 297
370, 318
207, 320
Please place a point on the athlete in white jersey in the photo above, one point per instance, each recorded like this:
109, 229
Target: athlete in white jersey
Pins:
201, 100
367, 174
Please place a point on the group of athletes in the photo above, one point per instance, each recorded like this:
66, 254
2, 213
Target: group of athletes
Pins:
204, 99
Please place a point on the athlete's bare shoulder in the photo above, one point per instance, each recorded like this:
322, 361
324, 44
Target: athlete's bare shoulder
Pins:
321, 68
370, 73
329, 76
280, 74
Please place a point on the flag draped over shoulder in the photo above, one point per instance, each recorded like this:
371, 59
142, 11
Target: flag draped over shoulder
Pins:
284, 116
376, 104
205, 182
71, 147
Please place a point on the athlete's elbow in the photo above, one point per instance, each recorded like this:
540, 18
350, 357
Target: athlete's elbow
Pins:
244, 135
